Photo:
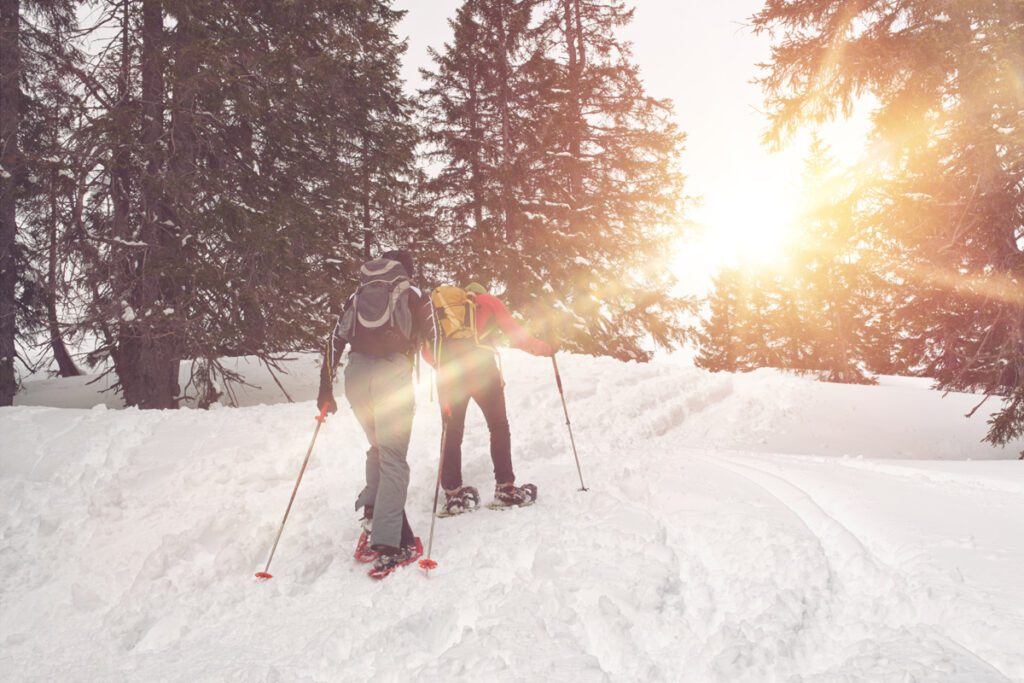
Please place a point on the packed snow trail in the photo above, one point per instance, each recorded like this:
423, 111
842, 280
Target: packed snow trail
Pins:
129, 540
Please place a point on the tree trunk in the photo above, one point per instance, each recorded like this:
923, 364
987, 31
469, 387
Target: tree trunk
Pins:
475, 166
729, 342
120, 199
148, 367
10, 156
182, 164
65, 365
581, 40
575, 110
504, 103
842, 367
367, 226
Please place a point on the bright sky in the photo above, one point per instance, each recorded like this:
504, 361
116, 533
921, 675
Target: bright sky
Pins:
703, 57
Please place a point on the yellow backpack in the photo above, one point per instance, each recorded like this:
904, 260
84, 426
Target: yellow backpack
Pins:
455, 311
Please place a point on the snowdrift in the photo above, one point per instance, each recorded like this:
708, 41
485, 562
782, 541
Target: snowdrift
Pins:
751, 527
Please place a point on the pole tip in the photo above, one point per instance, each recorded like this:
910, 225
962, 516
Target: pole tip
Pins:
263, 576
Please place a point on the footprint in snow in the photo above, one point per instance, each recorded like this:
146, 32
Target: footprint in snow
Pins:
84, 599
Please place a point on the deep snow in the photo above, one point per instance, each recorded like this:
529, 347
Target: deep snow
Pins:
752, 527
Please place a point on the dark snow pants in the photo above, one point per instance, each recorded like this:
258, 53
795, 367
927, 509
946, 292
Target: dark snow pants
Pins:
473, 374
380, 391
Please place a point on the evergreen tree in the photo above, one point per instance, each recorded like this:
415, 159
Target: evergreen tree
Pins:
745, 329
32, 44
481, 105
558, 178
761, 343
223, 209
786, 337
946, 80
825, 277
50, 110
718, 338
813, 312
12, 175
610, 193
384, 174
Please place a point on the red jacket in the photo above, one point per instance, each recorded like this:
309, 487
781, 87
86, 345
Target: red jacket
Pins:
491, 314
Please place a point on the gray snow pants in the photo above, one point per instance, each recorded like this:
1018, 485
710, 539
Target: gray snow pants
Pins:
380, 391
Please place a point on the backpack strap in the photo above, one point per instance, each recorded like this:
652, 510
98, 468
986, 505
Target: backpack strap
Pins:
471, 316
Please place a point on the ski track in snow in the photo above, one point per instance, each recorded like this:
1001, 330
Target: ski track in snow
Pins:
858, 576
129, 539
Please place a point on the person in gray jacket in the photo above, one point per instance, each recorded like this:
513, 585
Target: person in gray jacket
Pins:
383, 323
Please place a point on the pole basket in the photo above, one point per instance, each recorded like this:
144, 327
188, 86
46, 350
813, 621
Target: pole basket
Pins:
428, 564
263, 576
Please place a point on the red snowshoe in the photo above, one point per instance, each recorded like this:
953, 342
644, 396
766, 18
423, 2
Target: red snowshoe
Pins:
363, 552
385, 564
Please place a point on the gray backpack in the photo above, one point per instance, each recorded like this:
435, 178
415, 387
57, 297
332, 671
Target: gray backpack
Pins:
379, 301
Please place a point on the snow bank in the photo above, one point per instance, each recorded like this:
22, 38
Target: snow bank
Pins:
764, 411
753, 527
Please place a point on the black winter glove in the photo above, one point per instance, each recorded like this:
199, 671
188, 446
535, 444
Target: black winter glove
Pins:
327, 396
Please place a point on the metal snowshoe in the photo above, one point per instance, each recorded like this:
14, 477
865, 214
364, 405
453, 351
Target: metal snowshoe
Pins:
462, 499
510, 495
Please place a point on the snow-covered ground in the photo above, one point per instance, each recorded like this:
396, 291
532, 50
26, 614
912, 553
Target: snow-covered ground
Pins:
753, 527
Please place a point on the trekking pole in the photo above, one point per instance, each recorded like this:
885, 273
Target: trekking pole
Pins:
265, 574
565, 409
427, 563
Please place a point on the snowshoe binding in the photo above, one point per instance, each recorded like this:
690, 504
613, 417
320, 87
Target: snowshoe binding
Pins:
364, 553
406, 555
457, 501
510, 495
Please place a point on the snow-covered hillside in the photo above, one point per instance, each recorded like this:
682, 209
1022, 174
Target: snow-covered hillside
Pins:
754, 527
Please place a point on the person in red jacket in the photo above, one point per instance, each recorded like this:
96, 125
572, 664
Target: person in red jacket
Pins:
468, 369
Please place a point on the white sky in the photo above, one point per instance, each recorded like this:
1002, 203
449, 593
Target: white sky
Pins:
702, 56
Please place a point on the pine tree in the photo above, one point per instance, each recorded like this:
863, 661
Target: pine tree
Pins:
12, 175
10, 94
32, 45
384, 173
946, 79
826, 280
747, 327
558, 178
480, 107
49, 112
222, 212
610, 193
762, 345
786, 339
719, 335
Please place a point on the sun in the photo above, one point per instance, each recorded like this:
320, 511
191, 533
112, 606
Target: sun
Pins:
753, 229
751, 207
751, 226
